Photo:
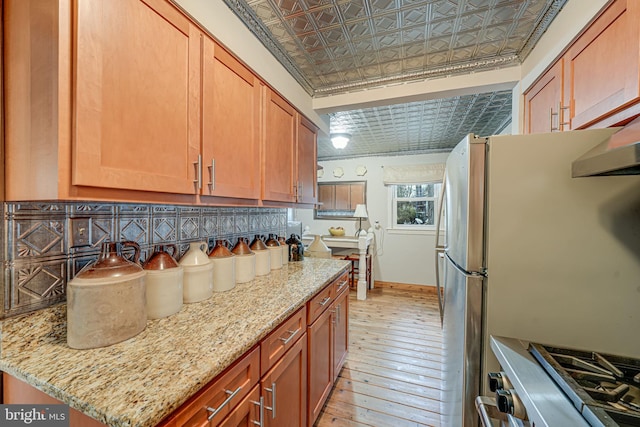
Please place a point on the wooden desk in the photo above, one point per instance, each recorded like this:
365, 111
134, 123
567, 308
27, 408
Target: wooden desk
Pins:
360, 243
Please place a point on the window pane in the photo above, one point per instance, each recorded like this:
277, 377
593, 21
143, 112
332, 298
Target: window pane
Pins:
411, 191
418, 213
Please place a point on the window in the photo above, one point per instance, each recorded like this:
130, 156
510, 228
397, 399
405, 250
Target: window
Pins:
414, 206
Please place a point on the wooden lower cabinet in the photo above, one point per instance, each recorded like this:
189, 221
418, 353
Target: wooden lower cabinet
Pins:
214, 402
15, 391
284, 389
341, 332
320, 335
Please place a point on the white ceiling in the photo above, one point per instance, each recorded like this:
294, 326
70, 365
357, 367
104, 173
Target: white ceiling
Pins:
333, 47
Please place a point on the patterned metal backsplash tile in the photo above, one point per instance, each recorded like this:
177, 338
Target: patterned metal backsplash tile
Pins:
39, 258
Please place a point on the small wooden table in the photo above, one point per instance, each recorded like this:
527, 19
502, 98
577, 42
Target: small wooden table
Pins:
360, 243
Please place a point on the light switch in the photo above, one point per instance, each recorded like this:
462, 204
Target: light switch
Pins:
80, 232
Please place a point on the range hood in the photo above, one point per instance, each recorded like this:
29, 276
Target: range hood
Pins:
618, 155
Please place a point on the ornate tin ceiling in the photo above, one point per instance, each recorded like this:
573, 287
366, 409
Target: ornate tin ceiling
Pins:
336, 46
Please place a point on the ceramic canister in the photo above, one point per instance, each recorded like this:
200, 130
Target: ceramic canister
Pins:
106, 299
245, 261
164, 282
224, 267
285, 249
275, 252
263, 258
198, 273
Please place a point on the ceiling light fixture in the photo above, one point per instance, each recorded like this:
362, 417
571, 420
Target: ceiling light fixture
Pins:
340, 140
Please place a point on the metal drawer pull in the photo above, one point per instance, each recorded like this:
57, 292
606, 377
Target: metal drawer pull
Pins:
292, 334
325, 301
342, 285
214, 411
261, 405
272, 390
488, 409
338, 314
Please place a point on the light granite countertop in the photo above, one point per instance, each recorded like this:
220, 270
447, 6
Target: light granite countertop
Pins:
140, 381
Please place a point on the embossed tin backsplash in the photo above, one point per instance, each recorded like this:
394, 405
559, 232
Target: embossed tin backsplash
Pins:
40, 255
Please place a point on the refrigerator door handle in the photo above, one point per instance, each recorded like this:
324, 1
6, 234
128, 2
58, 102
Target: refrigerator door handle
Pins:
439, 250
439, 256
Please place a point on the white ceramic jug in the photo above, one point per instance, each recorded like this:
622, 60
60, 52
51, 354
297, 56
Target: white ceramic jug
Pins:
198, 273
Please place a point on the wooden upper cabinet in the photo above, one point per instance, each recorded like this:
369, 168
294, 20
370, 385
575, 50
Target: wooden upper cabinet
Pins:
602, 68
307, 161
278, 181
107, 105
231, 96
542, 103
136, 96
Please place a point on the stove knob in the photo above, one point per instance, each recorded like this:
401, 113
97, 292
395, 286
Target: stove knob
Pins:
509, 403
498, 381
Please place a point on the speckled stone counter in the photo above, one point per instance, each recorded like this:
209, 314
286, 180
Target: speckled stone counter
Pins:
140, 381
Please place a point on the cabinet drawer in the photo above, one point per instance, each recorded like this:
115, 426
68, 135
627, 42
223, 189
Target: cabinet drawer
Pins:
223, 394
341, 284
318, 304
282, 339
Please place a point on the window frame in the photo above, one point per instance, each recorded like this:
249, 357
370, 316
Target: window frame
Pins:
413, 228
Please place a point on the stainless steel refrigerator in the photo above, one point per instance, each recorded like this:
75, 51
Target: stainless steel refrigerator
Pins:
529, 252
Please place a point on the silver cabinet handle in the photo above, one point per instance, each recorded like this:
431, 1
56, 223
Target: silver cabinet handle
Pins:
212, 172
198, 165
551, 114
272, 390
325, 301
338, 313
342, 284
261, 405
561, 121
488, 409
214, 411
292, 334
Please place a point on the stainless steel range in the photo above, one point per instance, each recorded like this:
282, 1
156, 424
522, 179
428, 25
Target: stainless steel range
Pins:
549, 386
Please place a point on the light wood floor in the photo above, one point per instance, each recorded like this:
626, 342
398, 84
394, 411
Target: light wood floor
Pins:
392, 374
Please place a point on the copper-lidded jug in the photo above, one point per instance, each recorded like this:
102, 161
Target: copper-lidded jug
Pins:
106, 301
164, 282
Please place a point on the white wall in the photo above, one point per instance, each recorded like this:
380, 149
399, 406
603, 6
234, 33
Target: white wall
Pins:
402, 258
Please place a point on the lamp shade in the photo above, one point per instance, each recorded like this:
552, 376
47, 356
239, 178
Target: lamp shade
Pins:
361, 211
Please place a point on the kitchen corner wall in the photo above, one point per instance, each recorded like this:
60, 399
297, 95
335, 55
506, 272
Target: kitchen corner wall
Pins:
39, 259
398, 256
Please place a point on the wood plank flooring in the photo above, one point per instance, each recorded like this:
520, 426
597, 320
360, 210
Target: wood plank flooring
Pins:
392, 375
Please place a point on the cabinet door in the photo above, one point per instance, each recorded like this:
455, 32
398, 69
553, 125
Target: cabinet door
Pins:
284, 389
341, 332
543, 112
356, 195
320, 336
246, 414
137, 87
327, 197
307, 161
343, 197
278, 147
230, 126
602, 67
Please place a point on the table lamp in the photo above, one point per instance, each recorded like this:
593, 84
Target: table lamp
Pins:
361, 212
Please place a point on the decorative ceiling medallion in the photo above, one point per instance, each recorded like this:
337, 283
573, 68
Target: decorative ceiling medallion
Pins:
320, 173
361, 170
338, 172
